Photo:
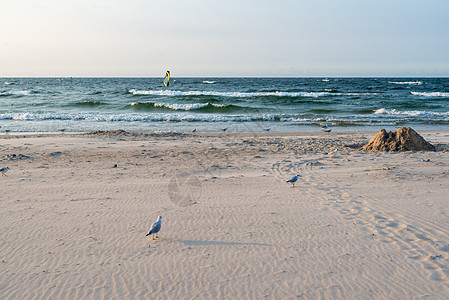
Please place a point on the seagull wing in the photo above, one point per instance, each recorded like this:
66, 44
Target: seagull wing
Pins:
294, 178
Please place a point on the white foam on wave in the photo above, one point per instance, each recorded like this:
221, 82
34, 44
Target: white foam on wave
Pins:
208, 82
32, 117
406, 82
229, 94
384, 111
177, 106
136, 117
430, 94
180, 106
16, 93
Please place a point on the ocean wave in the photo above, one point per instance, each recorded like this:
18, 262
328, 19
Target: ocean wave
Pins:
16, 93
33, 117
189, 106
417, 82
384, 111
132, 117
96, 93
78, 120
228, 94
360, 94
208, 82
430, 94
203, 107
89, 103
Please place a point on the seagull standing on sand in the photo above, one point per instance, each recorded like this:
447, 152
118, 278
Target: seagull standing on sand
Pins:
333, 152
325, 128
294, 179
4, 170
155, 228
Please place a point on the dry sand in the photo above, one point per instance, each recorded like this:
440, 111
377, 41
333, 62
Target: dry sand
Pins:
359, 225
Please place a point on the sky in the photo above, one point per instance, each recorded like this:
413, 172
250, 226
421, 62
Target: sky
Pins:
207, 38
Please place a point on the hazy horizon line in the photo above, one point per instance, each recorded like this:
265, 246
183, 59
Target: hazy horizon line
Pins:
233, 76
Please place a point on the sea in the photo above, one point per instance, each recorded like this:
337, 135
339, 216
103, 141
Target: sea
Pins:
29, 105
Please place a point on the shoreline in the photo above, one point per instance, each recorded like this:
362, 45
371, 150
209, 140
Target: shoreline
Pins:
211, 133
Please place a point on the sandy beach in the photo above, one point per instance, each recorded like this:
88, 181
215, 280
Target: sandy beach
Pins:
75, 211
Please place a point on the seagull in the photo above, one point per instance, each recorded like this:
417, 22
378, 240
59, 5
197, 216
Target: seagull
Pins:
155, 228
333, 152
294, 179
4, 170
325, 128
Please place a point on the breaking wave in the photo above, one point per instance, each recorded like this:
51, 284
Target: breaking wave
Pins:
201, 107
228, 94
417, 82
383, 111
89, 103
430, 94
16, 93
133, 117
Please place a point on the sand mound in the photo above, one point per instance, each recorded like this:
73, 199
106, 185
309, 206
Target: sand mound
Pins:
403, 139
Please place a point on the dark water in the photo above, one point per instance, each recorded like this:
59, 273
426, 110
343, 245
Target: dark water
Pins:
210, 104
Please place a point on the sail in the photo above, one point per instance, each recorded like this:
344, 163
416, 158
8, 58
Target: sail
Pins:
167, 78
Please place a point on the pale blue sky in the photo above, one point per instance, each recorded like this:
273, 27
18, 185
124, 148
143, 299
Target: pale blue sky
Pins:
224, 38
